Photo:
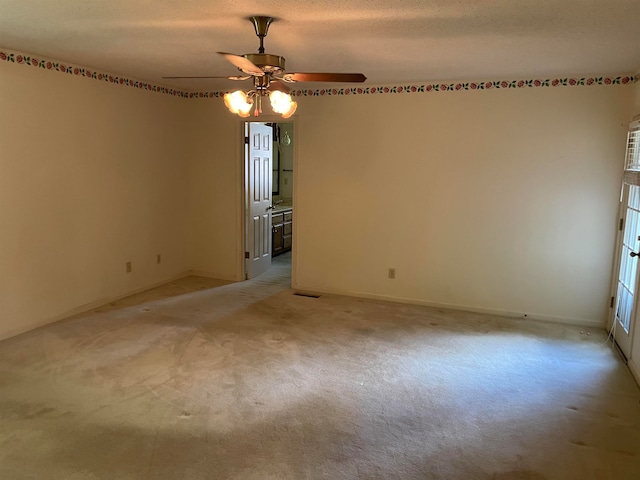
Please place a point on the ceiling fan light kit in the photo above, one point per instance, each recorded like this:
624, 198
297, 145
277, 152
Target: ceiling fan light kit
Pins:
282, 103
269, 78
239, 103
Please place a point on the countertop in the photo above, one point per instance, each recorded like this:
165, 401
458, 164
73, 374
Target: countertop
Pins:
281, 208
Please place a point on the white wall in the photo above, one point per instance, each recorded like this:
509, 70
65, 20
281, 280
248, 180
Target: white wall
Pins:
496, 200
500, 200
636, 100
92, 175
215, 191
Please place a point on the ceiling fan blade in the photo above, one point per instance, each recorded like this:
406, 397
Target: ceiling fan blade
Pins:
247, 66
324, 77
278, 85
235, 77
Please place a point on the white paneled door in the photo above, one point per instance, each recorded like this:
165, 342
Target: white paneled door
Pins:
259, 178
628, 248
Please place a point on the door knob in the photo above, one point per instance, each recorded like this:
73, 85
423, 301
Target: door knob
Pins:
270, 207
634, 254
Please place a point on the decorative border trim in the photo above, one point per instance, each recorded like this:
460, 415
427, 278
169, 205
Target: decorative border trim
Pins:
487, 85
62, 67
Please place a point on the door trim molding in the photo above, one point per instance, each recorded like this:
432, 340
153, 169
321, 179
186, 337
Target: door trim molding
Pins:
242, 185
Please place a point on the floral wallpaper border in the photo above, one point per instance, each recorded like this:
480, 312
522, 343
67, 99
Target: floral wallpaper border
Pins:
487, 85
63, 67
70, 69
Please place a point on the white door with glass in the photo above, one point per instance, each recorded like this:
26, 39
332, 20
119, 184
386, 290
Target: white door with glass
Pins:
628, 270
258, 189
624, 295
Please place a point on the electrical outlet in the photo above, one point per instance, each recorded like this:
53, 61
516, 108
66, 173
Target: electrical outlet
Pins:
392, 273
128, 267
158, 259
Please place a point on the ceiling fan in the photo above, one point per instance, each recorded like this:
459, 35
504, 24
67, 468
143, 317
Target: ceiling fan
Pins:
269, 77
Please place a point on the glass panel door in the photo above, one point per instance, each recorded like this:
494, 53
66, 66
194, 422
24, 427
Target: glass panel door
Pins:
628, 270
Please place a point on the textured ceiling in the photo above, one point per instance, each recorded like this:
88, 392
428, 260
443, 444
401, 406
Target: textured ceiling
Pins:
390, 41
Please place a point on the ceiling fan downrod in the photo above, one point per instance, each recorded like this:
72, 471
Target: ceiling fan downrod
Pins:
261, 24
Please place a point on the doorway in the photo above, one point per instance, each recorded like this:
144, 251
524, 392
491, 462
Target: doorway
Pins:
624, 292
268, 181
624, 296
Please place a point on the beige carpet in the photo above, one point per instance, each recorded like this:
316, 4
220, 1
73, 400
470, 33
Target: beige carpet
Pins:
205, 380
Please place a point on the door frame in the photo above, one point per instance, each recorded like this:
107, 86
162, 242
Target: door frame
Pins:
242, 163
629, 178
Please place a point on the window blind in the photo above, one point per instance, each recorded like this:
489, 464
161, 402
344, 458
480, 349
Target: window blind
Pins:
632, 161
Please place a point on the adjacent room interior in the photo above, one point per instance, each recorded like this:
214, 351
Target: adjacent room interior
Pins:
448, 245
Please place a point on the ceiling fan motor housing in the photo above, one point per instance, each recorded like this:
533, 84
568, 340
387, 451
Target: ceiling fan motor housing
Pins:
267, 62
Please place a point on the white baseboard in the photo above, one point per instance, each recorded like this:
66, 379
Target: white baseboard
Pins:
202, 273
87, 307
106, 300
464, 308
635, 371
387, 298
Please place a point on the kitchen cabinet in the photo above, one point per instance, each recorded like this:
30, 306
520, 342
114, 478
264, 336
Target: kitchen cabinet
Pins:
282, 231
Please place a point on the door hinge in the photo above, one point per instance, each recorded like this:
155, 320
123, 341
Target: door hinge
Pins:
621, 226
246, 255
613, 299
246, 140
